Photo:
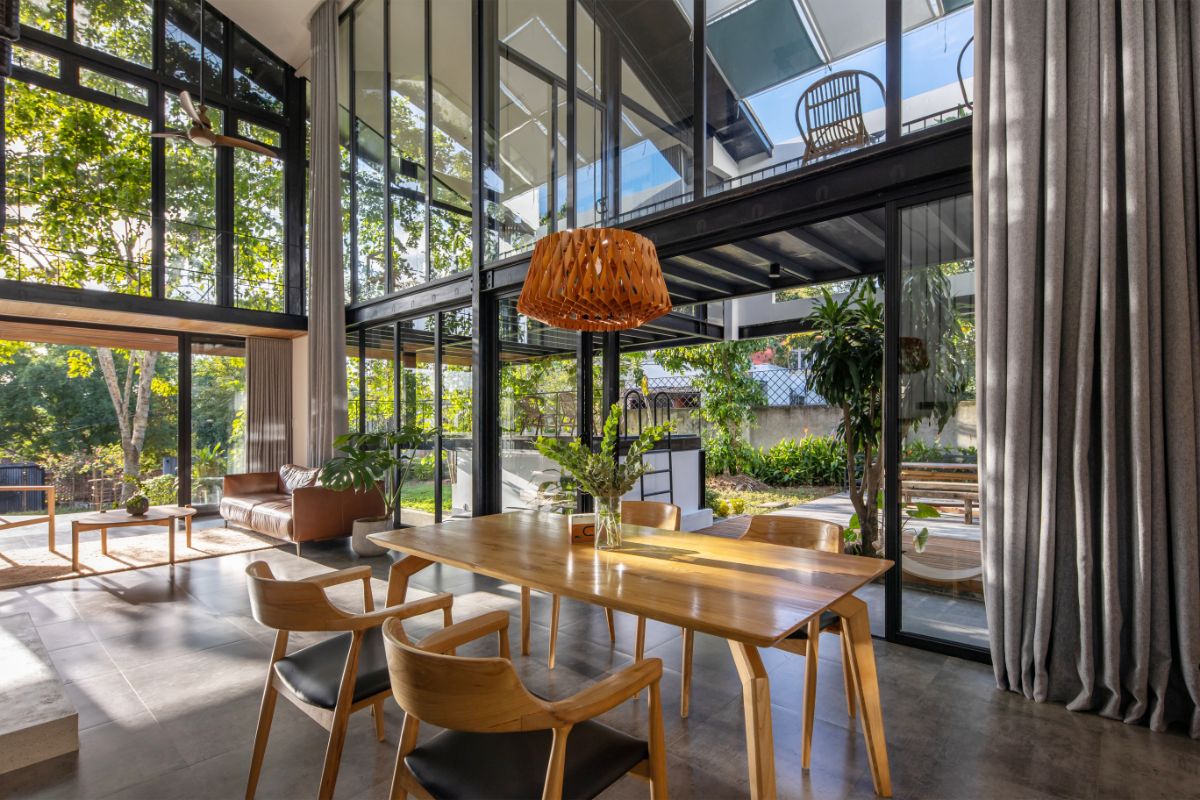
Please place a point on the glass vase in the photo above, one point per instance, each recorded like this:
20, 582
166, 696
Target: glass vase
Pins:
608, 524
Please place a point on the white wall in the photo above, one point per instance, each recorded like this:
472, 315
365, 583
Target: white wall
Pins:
300, 399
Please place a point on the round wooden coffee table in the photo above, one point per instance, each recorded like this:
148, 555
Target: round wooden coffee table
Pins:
156, 515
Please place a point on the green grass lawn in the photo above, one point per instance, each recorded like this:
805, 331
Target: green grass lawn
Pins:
418, 495
758, 502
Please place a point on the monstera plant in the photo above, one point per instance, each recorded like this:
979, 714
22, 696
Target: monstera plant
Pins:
378, 461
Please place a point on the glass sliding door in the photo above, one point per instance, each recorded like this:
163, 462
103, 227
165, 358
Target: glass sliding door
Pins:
940, 557
415, 387
218, 400
456, 403
537, 398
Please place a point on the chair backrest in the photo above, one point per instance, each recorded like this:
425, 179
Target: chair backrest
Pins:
651, 514
832, 109
479, 695
806, 532
291, 605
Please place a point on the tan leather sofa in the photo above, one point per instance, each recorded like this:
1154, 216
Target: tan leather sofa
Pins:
289, 505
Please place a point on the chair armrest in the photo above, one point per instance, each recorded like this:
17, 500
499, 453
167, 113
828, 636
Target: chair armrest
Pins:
340, 576
469, 630
250, 483
608, 693
416, 608
399, 574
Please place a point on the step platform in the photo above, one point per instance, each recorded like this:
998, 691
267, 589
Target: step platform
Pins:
38, 721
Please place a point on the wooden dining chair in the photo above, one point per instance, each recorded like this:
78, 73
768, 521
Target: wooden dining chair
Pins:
811, 534
648, 514
332, 679
501, 741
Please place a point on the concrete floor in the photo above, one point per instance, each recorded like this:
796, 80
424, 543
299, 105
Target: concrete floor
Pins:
166, 667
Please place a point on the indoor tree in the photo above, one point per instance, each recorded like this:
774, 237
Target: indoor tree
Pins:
847, 370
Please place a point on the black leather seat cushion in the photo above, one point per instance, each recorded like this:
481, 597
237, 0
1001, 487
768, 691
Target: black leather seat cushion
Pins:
506, 766
828, 620
314, 673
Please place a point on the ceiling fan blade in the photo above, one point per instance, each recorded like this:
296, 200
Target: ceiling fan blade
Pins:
168, 135
246, 144
185, 100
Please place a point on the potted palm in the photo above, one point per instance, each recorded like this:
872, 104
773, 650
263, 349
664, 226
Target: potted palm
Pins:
378, 461
601, 474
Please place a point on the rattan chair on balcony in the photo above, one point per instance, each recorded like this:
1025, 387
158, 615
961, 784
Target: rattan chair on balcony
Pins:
829, 114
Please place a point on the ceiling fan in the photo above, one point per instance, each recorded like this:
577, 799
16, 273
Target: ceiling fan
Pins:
201, 131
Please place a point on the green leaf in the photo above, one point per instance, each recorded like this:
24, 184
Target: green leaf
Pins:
920, 540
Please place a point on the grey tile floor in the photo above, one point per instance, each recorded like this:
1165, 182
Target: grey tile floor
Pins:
166, 667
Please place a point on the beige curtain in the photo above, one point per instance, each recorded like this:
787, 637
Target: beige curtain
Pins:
327, 409
268, 403
1089, 351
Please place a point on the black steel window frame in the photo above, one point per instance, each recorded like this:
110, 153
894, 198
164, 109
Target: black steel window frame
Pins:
391, 189
73, 56
487, 56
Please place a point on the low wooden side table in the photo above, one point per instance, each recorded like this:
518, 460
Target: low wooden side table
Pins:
156, 515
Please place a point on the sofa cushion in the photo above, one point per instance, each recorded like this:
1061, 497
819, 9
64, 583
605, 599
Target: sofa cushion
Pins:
273, 517
264, 513
294, 476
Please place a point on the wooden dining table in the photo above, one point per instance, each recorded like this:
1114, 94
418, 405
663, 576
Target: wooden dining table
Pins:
752, 594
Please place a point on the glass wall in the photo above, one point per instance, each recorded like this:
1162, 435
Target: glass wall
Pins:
59, 419
456, 406
655, 135
537, 398
82, 170
416, 391
218, 415
407, 176
938, 66
940, 559
406, 223
77, 191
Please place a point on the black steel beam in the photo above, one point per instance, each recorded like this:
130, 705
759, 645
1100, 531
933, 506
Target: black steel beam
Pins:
825, 248
684, 325
786, 263
449, 292
128, 303
743, 273
867, 228
682, 272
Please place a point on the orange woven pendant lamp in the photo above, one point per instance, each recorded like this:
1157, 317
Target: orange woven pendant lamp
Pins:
594, 279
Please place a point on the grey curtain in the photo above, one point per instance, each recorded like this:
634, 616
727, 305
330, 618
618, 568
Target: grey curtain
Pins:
326, 307
268, 403
1089, 351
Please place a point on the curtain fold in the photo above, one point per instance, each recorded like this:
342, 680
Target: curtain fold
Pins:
327, 405
1089, 352
268, 403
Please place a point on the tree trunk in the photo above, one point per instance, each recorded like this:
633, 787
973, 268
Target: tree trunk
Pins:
132, 428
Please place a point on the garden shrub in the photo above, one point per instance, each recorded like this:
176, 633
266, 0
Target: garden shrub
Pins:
923, 453
162, 490
721, 509
811, 461
738, 505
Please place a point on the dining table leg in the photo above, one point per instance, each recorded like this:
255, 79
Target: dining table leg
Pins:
75, 546
171, 539
760, 737
856, 627
524, 620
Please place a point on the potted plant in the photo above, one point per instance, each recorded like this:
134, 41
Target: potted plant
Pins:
379, 461
601, 474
